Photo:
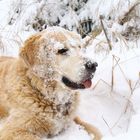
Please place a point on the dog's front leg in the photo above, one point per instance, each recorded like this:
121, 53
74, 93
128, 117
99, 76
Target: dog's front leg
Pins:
92, 130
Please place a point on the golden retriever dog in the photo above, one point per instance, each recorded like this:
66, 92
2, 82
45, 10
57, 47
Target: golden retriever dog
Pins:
38, 90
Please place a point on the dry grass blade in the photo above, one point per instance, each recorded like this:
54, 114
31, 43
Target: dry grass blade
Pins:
121, 69
98, 82
132, 89
107, 125
126, 15
114, 59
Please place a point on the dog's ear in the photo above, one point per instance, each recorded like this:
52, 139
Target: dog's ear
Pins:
29, 50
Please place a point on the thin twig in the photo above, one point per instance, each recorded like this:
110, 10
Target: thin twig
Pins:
112, 75
99, 81
107, 125
108, 41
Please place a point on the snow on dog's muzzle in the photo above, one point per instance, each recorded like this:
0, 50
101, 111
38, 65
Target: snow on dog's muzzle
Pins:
86, 80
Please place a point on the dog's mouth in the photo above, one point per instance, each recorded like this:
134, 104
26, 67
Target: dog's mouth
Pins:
74, 85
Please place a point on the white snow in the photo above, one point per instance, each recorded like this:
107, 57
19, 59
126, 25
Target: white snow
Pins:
113, 102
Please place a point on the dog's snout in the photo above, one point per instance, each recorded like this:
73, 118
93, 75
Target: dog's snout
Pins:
91, 66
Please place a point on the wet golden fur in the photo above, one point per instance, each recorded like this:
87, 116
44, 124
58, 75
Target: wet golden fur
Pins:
34, 103
28, 108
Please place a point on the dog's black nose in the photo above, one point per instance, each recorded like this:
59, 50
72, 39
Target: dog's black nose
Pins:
91, 66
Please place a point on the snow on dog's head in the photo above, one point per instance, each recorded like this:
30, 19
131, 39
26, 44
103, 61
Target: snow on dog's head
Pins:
54, 55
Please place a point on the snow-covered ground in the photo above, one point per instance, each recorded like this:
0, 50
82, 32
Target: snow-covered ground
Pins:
113, 102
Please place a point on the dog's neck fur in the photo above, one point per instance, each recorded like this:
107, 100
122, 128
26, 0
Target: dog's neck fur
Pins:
52, 91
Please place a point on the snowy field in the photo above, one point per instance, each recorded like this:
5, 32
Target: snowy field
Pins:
112, 104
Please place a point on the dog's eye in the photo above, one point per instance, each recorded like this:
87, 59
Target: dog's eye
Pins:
62, 51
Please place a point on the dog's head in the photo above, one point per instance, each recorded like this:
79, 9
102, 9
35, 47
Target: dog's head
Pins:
54, 55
